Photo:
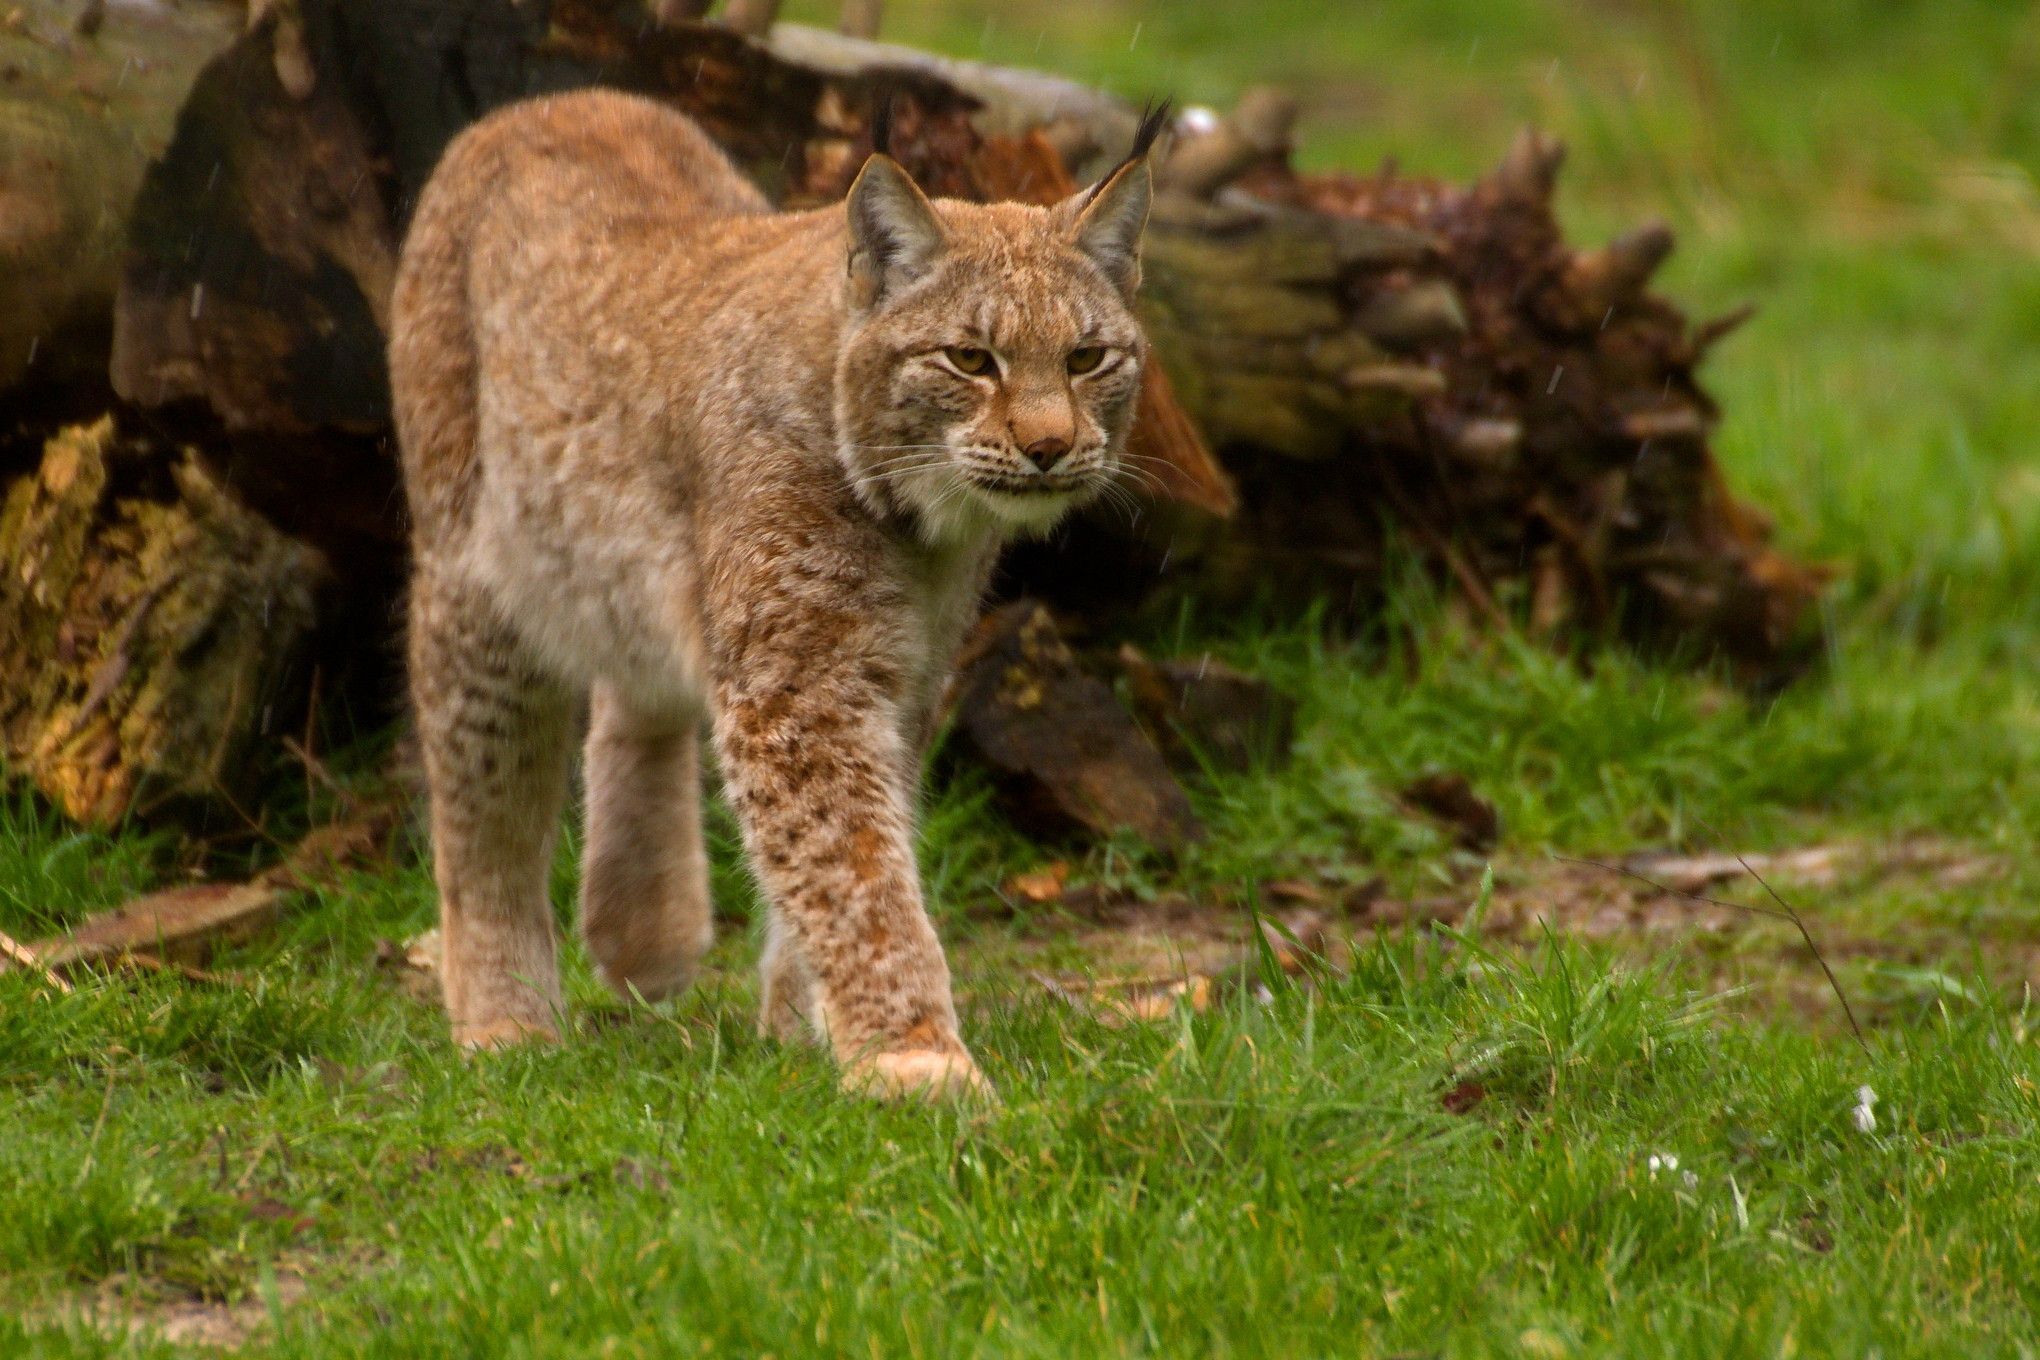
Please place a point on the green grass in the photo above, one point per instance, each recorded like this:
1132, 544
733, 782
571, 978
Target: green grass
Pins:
1279, 1179
1283, 1179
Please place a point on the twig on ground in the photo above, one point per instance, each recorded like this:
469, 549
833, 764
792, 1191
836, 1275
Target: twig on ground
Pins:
254, 824
149, 963
1807, 935
157, 930
1784, 911
98, 1126
1793, 916
316, 772
1062, 991
27, 958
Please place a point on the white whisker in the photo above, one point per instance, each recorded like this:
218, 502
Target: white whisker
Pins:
920, 457
1119, 498
1147, 481
889, 469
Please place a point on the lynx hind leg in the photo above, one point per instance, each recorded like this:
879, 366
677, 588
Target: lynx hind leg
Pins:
645, 910
497, 736
786, 990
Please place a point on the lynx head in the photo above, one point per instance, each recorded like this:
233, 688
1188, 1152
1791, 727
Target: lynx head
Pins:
992, 360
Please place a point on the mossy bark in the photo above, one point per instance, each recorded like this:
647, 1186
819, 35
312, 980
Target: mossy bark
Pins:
148, 623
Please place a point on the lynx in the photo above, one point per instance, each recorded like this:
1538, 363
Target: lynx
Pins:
676, 461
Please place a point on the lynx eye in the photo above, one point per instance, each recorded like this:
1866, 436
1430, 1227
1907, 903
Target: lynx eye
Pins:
969, 359
1086, 358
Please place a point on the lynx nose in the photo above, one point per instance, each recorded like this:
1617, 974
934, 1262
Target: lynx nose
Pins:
1045, 451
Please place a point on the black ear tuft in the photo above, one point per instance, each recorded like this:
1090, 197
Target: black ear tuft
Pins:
1154, 120
882, 122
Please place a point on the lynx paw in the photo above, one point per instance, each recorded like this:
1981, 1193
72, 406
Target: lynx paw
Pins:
919, 1074
785, 1023
500, 1034
649, 980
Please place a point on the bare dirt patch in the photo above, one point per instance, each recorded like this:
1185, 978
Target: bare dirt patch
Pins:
140, 1307
1126, 959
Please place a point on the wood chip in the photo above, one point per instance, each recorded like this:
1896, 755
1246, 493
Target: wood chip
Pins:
179, 928
1040, 885
1064, 757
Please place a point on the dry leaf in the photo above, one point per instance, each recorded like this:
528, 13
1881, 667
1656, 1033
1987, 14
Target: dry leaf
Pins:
1040, 885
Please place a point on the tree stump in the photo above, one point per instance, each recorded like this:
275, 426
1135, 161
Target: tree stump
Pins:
148, 626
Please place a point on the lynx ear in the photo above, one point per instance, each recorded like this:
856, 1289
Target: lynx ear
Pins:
894, 233
1109, 220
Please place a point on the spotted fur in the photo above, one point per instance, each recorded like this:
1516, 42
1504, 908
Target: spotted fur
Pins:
677, 461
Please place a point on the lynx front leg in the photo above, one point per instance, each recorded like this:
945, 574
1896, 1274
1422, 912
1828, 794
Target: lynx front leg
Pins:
812, 760
645, 909
497, 735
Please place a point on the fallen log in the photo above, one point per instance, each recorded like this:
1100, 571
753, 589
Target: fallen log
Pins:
83, 108
1344, 363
